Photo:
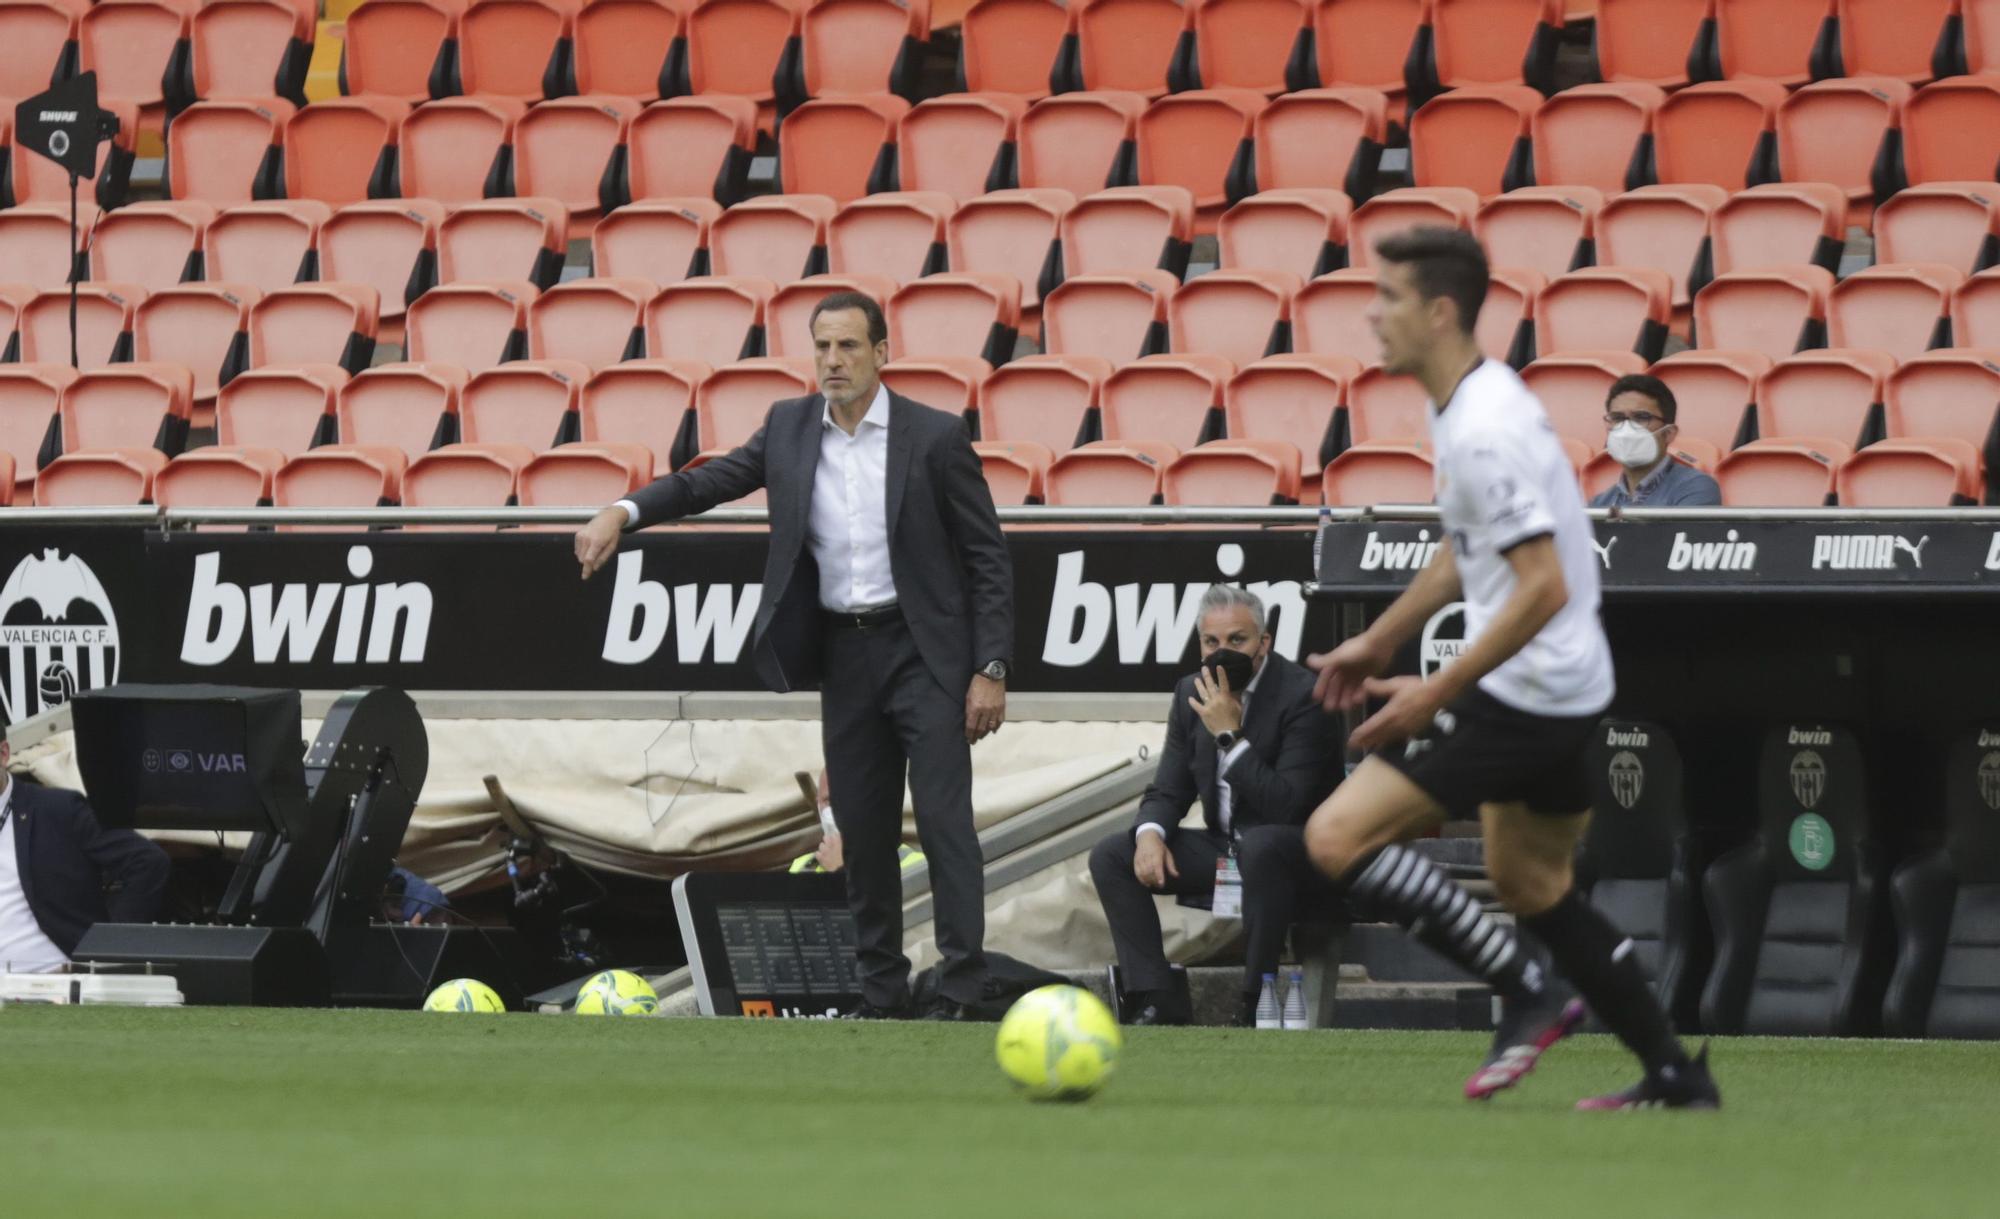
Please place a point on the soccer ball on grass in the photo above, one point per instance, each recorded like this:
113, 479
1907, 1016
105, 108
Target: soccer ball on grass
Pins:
464, 995
1058, 1043
616, 992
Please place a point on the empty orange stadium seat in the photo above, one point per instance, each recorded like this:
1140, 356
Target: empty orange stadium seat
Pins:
249, 48
1790, 472
1366, 43
787, 325
1574, 388
1300, 231
1776, 40
1713, 391
1408, 208
29, 394
412, 407
1939, 472
396, 48
318, 323
1494, 42
1477, 137
1545, 229
1080, 142
1104, 474
1955, 223
1379, 473
900, 234
1049, 400
341, 476
205, 328
289, 409
225, 152
1013, 471
735, 47
218, 477
1234, 473
1604, 309
1891, 37
1775, 312
584, 474
524, 402
38, 34
103, 325
1171, 398
840, 147
475, 326
1975, 311
1115, 317
452, 148
1293, 398
595, 322
1947, 394
949, 383
714, 319
962, 314
960, 144
1723, 133
513, 48
1013, 233
1385, 408
1596, 135
1247, 44
1779, 225
105, 477
1847, 132
1010, 46
154, 245
1649, 42
571, 149
35, 242
127, 406
690, 146
390, 245
1506, 324
776, 237
863, 46
343, 149
731, 402
1241, 316
1329, 316
464, 476
1665, 228
268, 245
626, 48
1829, 392
501, 240
1980, 38
1900, 308
1322, 138
663, 241
1951, 131
1127, 44
1127, 229
643, 402
1201, 141
130, 45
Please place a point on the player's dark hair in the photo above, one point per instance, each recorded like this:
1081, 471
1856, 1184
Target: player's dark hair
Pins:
1444, 262
878, 326
1649, 387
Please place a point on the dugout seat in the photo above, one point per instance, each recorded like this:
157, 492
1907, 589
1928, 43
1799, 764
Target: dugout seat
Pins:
962, 144
1954, 223
692, 146
268, 245
289, 409
715, 319
526, 402
1052, 401
503, 240
412, 407
459, 149
474, 326
777, 237
897, 234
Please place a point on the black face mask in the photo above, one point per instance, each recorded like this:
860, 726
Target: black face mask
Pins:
1237, 666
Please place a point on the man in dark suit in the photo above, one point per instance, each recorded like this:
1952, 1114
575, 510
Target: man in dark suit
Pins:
1258, 752
889, 586
60, 872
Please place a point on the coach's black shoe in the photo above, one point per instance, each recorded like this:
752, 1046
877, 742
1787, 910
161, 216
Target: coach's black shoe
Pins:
949, 1009
1161, 1007
1246, 1010
1689, 1086
1528, 1027
869, 1011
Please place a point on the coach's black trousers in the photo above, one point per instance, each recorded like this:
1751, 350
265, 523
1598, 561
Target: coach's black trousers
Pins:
884, 717
1279, 886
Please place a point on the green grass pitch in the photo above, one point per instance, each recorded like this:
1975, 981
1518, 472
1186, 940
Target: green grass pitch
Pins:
204, 1113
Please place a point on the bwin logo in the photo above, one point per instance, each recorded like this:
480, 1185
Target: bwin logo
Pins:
1620, 738
1153, 623
1866, 551
58, 634
1726, 555
287, 623
1378, 555
1808, 736
701, 616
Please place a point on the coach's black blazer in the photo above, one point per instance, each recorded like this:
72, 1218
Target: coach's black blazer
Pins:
76, 873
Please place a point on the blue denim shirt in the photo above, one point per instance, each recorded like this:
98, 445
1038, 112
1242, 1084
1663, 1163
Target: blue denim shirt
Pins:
1674, 485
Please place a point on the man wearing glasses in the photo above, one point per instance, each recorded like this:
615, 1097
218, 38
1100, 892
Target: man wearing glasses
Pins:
1639, 416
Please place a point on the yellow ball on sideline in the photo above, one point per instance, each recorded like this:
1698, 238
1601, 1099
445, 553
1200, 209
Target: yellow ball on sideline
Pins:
616, 992
464, 995
1058, 1043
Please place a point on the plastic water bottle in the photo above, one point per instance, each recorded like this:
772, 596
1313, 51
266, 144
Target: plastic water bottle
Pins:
1294, 1014
1267, 1004
1319, 538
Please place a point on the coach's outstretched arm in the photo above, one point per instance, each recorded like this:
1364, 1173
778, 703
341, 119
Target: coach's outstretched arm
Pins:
731, 476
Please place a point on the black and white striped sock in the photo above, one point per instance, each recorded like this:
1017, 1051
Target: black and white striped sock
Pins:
1408, 888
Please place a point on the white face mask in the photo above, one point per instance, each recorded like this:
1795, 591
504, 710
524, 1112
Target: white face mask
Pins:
1632, 446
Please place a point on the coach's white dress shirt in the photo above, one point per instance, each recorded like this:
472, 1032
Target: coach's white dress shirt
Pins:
23, 947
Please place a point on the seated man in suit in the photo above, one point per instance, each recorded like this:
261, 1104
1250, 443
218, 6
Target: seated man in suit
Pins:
1246, 736
60, 872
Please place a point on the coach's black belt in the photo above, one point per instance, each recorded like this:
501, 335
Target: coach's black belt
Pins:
861, 620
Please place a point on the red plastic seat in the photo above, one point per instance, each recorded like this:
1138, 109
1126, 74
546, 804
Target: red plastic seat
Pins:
35, 243
1945, 394
1010, 46
900, 235
205, 328
1241, 316
267, 245
596, 322
1716, 132
1202, 141
1955, 223
734, 47
714, 319
1771, 39
1477, 137
1328, 139
395, 48
503, 240
412, 407
1385, 408
565, 147
318, 323
1546, 229
584, 475
1369, 474
1791, 472
1077, 141
1939, 472
1779, 225
1108, 475
862, 46
1648, 41
342, 476
464, 476
1494, 42
1891, 38
832, 145
218, 477
343, 149
1014, 472
103, 325
288, 409
526, 402
155, 245
127, 406
513, 48
452, 148
37, 34
1049, 400
474, 326
1713, 390
731, 403
391, 245
1113, 317
1901, 308
962, 314
1300, 231
106, 477
692, 146
624, 47
1505, 327
958, 144
1665, 228
1127, 44
1951, 131
1367, 43
1330, 316
1975, 312
1407, 208
787, 318
28, 397
1234, 473
662, 241
130, 45
1980, 38
1828, 392
778, 237
1772, 312
1247, 44
1172, 398
225, 152
1128, 229
642, 402
1012, 233
1847, 132
1292, 398
1604, 309
949, 383
1593, 135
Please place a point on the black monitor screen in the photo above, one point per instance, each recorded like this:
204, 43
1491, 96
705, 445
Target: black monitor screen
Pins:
761, 944
191, 757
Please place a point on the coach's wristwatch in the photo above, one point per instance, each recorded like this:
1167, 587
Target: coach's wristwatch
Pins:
1225, 741
995, 669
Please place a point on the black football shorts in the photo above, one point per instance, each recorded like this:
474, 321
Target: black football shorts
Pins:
1483, 751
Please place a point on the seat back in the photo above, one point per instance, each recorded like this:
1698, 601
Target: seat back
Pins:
1386, 408
578, 475
1775, 312
1828, 392
663, 241
1540, 228
35, 242
1127, 229
692, 147
393, 48
1951, 131
1078, 141
1369, 474
1301, 231
1975, 311
1393, 211
1014, 473
1047, 400
1946, 393
1234, 473
267, 245
1293, 398
731, 402
1901, 308
1104, 474
342, 476
899, 234
715, 319
1782, 472
512, 48
1573, 390
1010, 46
833, 145
1712, 391
788, 318
622, 46
1241, 316
474, 326
595, 321
28, 397
1114, 317
526, 402
1328, 139
780, 238
1246, 44
1649, 41
1722, 133
1366, 42
1779, 225
1894, 38
286, 409
1932, 472
129, 44
128, 406
1477, 137
451, 148
412, 407
1636, 856
389, 245
464, 476
1014, 233
319, 323
1127, 44
343, 150
963, 314
37, 36
568, 149
1954, 223
958, 144
502, 240
1494, 42
154, 245
1200, 141
1604, 309
218, 477
108, 477
734, 46
862, 46
1176, 399
1329, 316
1776, 40
1840, 131
225, 152
203, 327
103, 325
1596, 135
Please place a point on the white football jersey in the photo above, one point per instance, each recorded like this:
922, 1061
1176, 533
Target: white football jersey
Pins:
1502, 479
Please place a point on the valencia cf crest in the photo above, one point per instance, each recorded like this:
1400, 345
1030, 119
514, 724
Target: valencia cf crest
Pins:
1628, 778
58, 634
1989, 781
1808, 777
